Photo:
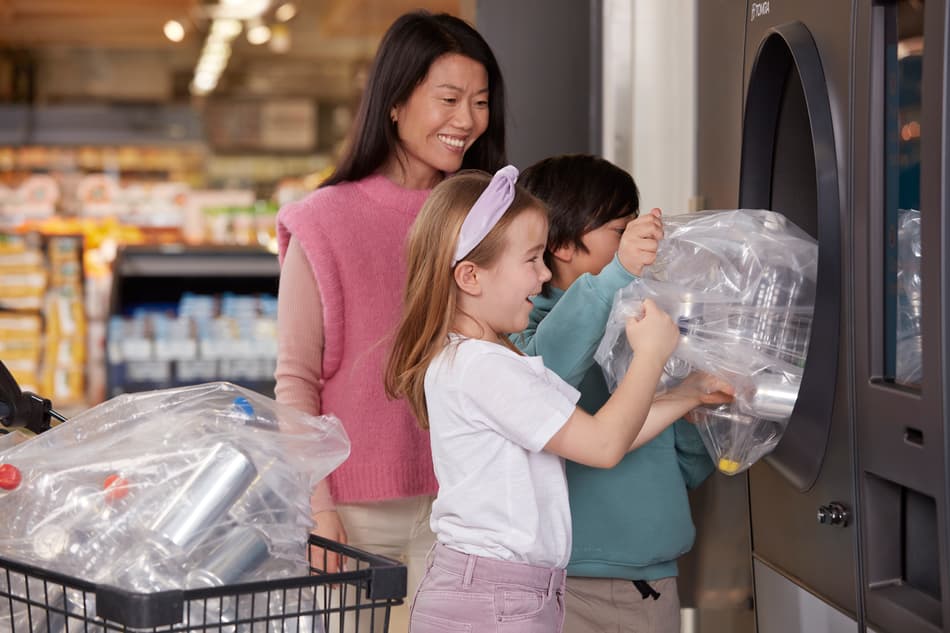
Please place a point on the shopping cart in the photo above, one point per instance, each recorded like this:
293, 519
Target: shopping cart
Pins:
357, 599
34, 600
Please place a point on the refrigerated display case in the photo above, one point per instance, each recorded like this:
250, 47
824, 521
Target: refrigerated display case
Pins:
186, 314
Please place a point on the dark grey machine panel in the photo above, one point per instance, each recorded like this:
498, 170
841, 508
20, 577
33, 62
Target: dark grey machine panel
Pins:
549, 53
796, 161
721, 93
900, 123
715, 580
785, 145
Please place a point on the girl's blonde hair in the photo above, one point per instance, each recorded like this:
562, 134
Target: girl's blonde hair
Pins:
429, 300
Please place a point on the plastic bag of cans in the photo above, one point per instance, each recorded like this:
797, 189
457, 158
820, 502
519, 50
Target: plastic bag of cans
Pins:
741, 286
184, 488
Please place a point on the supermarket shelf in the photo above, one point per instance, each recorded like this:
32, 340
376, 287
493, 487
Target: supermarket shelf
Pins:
193, 261
101, 124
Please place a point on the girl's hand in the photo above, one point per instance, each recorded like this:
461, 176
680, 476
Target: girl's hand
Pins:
639, 242
653, 332
705, 388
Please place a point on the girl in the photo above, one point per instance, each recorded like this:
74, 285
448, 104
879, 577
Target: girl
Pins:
499, 421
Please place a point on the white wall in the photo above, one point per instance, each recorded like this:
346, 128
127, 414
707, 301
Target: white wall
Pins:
649, 117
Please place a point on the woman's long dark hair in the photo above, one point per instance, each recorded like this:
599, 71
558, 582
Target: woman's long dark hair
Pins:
411, 44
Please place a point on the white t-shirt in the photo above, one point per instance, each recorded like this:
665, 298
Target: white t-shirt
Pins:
491, 412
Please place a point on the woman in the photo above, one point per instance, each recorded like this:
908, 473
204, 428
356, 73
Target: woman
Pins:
433, 104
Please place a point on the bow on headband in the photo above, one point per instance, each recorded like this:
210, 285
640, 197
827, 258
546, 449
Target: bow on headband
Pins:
486, 211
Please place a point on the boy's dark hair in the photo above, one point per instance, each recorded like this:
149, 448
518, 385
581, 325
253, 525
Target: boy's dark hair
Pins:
407, 50
582, 192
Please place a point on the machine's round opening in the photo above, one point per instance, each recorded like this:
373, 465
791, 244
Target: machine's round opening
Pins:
789, 165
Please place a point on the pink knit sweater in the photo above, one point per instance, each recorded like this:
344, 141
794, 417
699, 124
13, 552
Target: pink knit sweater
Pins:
353, 236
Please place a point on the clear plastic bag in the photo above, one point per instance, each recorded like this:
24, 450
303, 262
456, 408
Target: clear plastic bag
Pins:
182, 488
741, 286
909, 370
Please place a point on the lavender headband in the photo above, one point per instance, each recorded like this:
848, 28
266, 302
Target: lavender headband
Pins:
486, 211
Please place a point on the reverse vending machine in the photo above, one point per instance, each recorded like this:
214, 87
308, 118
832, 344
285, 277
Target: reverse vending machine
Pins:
833, 113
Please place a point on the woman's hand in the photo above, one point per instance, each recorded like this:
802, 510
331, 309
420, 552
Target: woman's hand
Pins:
329, 526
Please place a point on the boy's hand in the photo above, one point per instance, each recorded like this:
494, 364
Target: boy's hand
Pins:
639, 241
652, 332
705, 388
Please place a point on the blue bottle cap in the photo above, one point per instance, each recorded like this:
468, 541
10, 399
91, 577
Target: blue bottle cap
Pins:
241, 403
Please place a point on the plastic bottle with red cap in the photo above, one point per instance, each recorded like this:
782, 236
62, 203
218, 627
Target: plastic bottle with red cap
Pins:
10, 477
116, 488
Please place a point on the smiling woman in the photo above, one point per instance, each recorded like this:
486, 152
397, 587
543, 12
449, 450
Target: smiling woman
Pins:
433, 105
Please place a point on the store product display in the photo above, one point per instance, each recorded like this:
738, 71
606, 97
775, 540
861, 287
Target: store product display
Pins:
202, 338
741, 286
201, 486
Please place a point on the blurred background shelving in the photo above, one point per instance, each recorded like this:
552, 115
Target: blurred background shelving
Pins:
145, 148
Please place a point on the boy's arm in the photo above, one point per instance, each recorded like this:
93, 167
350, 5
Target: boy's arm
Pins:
569, 335
668, 407
671, 405
694, 460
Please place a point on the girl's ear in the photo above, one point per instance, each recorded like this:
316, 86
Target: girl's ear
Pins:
466, 278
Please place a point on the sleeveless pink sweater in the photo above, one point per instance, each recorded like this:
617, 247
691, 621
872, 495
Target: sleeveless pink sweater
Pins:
353, 235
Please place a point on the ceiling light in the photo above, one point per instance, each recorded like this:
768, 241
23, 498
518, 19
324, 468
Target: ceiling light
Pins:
240, 9
216, 49
225, 29
286, 12
258, 34
280, 38
204, 83
174, 30
211, 65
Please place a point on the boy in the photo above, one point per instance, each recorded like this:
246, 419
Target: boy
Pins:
632, 522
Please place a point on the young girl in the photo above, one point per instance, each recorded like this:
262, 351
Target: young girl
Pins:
499, 421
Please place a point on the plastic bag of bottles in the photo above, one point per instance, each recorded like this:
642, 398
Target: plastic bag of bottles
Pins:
741, 286
183, 488
909, 369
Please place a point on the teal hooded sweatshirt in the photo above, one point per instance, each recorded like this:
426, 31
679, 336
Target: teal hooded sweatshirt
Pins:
631, 521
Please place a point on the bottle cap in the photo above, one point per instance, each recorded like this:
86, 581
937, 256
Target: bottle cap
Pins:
244, 406
50, 541
10, 477
116, 487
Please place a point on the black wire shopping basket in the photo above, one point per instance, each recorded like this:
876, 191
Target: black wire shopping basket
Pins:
359, 599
